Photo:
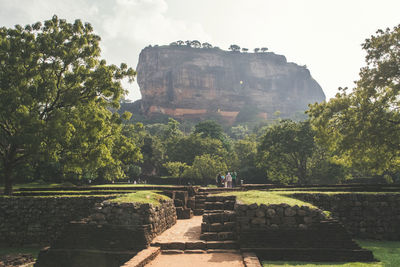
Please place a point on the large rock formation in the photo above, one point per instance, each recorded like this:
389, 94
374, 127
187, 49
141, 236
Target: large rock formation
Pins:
182, 81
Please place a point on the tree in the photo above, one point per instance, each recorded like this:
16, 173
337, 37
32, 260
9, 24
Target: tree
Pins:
264, 49
256, 50
206, 168
188, 43
209, 129
361, 127
188, 147
234, 48
173, 44
239, 132
286, 150
245, 151
176, 169
52, 85
245, 50
153, 155
206, 45
180, 42
195, 44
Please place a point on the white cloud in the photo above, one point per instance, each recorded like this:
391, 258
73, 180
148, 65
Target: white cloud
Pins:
324, 35
126, 26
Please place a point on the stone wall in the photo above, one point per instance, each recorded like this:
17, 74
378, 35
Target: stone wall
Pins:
375, 216
110, 236
280, 216
39, 220
283, 232
154, 218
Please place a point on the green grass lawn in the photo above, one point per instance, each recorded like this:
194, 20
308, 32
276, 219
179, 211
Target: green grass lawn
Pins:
130, 185
265, 197
144, 196
39, 185
387, 252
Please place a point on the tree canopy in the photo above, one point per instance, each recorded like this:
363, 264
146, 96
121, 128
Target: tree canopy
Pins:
55, 94
362, 126
285, 151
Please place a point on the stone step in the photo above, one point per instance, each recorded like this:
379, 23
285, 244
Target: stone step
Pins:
226, 205
220, 198
200, 206
198, 212
220, 217
229, 244
221, 236
218, 227
197, 245
184, 213
311, 254
198, 251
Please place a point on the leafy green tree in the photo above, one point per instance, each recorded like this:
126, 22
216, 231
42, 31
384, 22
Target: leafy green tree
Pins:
246, 152
239, 132
234, 48
195, 44
176, 169
53, 88
286, 150
153, 155
256, 50
362, 127
244, 50
209, 129
206, 168
188, 147
206, 45
264, 49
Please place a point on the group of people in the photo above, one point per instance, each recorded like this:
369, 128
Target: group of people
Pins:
227, 181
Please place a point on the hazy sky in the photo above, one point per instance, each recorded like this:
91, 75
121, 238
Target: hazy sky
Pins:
325, 35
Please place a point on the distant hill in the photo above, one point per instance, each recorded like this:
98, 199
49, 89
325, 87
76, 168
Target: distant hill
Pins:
185, 82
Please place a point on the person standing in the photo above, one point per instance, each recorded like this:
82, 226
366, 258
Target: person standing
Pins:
229, 179
234, 175
219, 180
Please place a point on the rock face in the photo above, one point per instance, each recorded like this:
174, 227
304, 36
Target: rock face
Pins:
182, 81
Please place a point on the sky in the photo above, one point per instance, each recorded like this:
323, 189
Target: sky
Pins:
325, 35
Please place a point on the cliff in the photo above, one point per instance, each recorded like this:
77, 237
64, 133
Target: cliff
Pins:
184, 82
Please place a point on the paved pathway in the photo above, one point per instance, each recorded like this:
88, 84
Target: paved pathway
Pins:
198, 260
183, 230
189, 230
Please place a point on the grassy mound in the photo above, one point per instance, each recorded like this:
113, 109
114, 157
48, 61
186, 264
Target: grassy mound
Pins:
151, 197
266, 197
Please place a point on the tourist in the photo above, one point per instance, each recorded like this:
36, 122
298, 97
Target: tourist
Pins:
223, 180
229, 180
234, 175
219, 180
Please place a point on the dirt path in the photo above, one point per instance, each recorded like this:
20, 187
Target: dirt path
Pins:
183, 230
198, 260
186, 231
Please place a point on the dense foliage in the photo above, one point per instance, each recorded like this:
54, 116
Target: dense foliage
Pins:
55, 95
361, 127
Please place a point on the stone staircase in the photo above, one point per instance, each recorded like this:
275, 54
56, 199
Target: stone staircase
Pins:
218, 228
199, 203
